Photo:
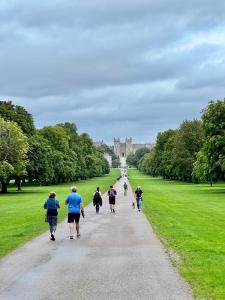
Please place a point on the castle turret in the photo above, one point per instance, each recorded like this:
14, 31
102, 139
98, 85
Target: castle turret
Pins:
128, 142
117, 146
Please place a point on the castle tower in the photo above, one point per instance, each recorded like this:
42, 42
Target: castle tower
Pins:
128, 143
117, 146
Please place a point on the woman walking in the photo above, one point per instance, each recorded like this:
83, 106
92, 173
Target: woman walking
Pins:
52, 205
138, 194
97, 199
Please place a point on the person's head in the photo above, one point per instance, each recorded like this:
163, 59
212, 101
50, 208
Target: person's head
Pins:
139, 187
97, 189
52, 195
111, 186
73, 189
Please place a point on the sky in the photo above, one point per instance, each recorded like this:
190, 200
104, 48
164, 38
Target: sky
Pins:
115, 68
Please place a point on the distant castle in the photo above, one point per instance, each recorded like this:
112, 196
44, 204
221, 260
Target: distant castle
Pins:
123, 149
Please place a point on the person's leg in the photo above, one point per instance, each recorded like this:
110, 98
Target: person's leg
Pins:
137, 199
97, 208
140, 203
50, 224
54, 223
111, 208
51, 227
71, 227
78, 229
71, 224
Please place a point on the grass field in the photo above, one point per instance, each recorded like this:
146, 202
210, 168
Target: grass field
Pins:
190, 219
22, 213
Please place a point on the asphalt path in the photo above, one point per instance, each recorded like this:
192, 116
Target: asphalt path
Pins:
117, 257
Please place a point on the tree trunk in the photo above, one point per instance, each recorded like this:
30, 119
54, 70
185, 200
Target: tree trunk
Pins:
4, 186
18, 183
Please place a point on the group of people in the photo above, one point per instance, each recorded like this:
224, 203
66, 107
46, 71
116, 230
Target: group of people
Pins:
76, 208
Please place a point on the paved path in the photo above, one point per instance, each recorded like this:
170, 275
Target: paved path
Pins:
117, 257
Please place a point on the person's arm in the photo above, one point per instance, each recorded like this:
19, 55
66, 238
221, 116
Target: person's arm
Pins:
45, 205
58, 206
81, 208
67, 201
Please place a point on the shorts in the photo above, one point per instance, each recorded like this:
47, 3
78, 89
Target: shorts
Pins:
112, 201
73, 217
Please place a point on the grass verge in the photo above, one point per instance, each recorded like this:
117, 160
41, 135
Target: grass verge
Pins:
22, 213
190, 219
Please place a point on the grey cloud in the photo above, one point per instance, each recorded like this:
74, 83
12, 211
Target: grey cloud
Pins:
113, 67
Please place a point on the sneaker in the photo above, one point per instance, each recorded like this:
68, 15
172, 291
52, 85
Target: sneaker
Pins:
78, 235
71, 237
52, 238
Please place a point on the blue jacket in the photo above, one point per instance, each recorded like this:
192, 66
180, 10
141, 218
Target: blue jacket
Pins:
51, 205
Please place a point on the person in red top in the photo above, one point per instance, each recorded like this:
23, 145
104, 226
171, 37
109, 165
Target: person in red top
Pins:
112, 198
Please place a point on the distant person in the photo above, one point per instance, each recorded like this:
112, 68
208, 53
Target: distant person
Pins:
112, 198
138, 194
52, 205
75, 207
125, 188
97, 199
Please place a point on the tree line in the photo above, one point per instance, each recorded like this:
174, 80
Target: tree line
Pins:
103, 148
50, 155
194, 152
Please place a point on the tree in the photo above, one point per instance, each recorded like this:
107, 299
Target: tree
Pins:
213, 118
103, 148
187, 143
147, 163
40, 167
131, 161
201, 169
18, 114
13, 150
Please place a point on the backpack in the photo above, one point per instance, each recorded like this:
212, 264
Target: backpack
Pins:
111, 193
97, 197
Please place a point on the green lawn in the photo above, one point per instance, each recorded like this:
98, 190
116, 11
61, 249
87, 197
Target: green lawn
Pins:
22, 213
190, 219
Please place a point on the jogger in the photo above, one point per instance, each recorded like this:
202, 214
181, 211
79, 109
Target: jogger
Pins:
75, 205
52, 206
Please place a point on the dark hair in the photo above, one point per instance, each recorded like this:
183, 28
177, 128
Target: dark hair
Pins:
111, 186
97, 189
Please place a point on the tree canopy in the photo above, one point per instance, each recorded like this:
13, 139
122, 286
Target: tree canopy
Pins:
50, 155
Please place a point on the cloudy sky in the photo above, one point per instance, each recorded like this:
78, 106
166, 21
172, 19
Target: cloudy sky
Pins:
114, 67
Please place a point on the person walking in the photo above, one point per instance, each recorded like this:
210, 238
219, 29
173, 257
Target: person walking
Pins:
125, 187
112, 198
97, 199
52, 205
138, 194
75, 207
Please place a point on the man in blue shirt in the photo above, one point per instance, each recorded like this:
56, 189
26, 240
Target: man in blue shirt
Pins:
75, 205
